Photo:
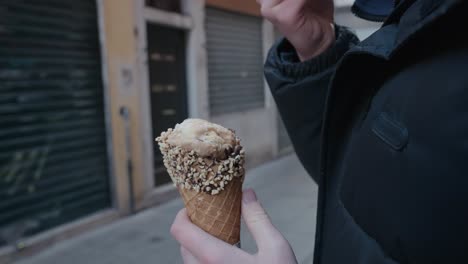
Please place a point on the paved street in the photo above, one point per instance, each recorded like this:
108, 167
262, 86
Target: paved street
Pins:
282, 186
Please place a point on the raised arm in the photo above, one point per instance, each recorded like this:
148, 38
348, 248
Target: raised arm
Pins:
299, 68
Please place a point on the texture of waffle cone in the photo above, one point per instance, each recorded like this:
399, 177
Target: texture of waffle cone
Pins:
219, 215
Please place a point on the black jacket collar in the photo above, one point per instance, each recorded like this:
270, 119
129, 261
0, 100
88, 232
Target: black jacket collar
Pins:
407, 19
419, 15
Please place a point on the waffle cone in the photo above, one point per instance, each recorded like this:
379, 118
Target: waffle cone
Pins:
219, 215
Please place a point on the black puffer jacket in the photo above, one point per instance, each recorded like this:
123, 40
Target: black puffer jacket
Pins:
382, 126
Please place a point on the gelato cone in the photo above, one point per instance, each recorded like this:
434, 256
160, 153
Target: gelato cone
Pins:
206, 163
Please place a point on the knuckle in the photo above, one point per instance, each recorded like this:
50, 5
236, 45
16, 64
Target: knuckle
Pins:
175, 230
258, 217
267, 12
213, 258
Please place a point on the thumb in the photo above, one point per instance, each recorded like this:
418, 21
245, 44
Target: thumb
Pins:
258, 222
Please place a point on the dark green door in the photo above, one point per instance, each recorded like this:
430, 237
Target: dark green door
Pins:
166, 56
53, 154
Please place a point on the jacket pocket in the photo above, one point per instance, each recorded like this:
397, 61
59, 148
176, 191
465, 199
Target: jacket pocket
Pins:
390, 131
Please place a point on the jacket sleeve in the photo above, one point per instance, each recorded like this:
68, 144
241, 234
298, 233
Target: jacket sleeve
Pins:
300, 89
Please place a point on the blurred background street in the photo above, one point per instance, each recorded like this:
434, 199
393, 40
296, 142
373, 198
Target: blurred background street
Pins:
86, 86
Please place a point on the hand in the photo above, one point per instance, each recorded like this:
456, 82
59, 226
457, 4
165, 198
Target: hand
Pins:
197, 246
307, 24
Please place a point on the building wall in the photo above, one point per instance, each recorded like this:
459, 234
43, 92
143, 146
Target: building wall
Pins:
125, 66
119, 52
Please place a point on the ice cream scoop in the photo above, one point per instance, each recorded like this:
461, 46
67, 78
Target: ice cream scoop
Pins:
205, 138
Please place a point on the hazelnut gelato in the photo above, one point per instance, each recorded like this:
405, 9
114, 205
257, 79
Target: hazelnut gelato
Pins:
205, 138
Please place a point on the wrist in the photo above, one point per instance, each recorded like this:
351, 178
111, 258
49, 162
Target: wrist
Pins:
283, 56
312, 51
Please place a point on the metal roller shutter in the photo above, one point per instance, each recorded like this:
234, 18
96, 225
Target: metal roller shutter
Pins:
53, 155
235, 61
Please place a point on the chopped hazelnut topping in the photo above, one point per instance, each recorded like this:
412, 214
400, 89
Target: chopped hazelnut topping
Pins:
192, 172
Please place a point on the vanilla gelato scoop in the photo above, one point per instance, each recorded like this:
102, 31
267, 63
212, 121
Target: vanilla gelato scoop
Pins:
205, 138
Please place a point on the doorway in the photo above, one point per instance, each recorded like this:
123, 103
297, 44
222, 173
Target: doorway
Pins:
168, 87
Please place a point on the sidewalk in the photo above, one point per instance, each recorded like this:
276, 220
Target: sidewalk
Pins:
282, 186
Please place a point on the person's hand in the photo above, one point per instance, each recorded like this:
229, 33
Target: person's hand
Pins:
307, 24
197, 246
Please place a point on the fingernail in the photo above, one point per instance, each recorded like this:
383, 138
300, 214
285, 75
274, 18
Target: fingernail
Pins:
249, 196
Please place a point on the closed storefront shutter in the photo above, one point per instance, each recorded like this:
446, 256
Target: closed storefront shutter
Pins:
235, 61
53, 155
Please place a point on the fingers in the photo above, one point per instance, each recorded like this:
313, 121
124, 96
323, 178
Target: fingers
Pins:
203, 246
258, 222
187, 257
